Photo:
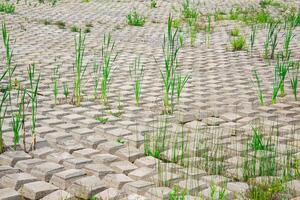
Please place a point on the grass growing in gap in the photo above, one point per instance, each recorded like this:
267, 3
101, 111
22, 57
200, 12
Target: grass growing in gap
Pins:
259, 87
282, 68
171, 47
181, 82
287, 41
135, 19
55, 77
177, 194
75, 29
7, 7
188, 11
153, 4
271, 191
252, 37
271, 40
235, 32
294, 83
33, 94
79, 67
208, 30
192, 30
102, 120
137, 74
66, 90
3, 109
238, 43
108, 58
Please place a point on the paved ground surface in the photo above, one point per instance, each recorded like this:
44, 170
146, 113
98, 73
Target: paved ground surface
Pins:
79, 156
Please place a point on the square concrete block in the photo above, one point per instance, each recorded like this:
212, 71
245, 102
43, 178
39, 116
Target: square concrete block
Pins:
117, 180
65, 178
5, 169
59, 157
59, 195
12, 157
45, 170
137, 187
105, 158
17, 180
76, 163
9, 194
37, 190
87, 187
124, 167
99, 170
129, 153
27, 165
142, 173
111, 194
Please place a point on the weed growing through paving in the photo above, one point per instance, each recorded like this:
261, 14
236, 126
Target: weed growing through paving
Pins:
282, 68
135, 19
208, 30
177, 194
181, 82
96, 79
102, 120
238, 43
153, 4
287, 41
188, 11
192, 30
108, 57
252, 37
271, 40
235, 32
79, 67
33, 94
3, 109
55, 77
66, 90
137, 74
294, 83
18, 117
75, 29
60, 24
7, 7
259, 87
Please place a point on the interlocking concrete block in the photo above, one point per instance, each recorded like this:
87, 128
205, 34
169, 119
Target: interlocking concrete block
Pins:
137, 187
12, 157
76, 163
117, 180
45, 170
9, 194
27, 165
59, 195
148, 161
17, 180
37, 190
142, 173
130, 153
124, 167
42, 152
110, 147
111, 194
65, 178
85, 153
59, 157
105, 158
5, 169
99, 170
87, 187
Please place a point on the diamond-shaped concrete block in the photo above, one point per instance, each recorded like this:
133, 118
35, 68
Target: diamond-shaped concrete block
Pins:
16, 180
5, 169
138, 187
123, 167
99, 170
27, 165
86, 187
129, 153
117, 180
37, 190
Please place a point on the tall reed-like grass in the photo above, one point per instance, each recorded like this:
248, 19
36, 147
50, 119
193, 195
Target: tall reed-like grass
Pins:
252, 38
271, 40
137, 74
108, 57
294, 83
55, 77
3, 109
79, 67
259, 87
33, 94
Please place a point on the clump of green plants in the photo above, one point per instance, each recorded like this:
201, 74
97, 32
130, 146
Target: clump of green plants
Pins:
267, 190
79, 67
60, 24
66, 90
102, 120
153, 4
177, 194
217, 194
7, 7
188, 11
137, 74
235, 32
75, 29
171, 47
259, 87
238, 43
108, 57
18, 118
135, 19
208, 30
